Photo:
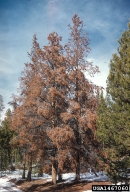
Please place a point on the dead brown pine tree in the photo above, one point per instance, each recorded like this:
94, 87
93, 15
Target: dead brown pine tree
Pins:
57, 101
53, 96
43, 87
25, 121
80, 117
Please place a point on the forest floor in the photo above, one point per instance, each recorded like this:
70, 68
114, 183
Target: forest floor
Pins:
46, 186
12, 182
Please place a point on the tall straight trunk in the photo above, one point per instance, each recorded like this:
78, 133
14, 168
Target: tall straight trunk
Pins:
78, 166
54, 164
78, 143
29, 171
54, 172
1, 161
59, 175
23, 174
9, 156
126, 178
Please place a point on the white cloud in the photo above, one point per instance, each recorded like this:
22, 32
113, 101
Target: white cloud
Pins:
5, 68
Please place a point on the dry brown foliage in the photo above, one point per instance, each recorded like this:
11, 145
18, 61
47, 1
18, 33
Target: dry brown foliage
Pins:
55, 117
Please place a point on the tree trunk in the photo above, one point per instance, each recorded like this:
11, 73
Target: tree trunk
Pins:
1, 161
78, 166
9, 156
23, 174
94, 171
54, 172
29, 171
126, 178
59, 175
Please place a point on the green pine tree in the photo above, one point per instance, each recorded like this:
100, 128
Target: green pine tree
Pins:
114, 111
5, 137
1, 106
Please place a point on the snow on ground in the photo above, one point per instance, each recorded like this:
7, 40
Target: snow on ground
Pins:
92, 177
6, 186
86, 177
88, 191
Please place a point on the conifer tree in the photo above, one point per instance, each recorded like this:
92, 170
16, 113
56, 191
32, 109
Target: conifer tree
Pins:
25, 120
114, 122
56, 109
80, 117
1, 105
42, 99
52, 99
5, 137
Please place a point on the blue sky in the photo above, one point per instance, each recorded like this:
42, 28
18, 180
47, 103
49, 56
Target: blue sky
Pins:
104, 20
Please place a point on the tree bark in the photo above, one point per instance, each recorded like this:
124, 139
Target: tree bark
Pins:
9, 157
23, 174
126, 179
59, 175
78, 166
94, 171
54, 172
29, 171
